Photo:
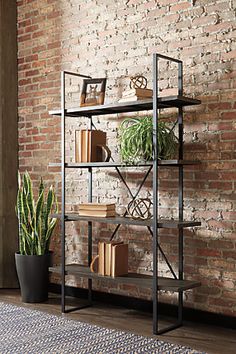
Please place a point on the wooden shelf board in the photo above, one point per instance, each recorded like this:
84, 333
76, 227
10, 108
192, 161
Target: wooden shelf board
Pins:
140, 280
109, 220
164, 163
125, 107
172, 224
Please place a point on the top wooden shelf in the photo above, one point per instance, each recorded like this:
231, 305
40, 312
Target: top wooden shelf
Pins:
144, 105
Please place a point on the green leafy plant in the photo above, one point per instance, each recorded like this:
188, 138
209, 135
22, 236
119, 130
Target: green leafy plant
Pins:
34, 221
136, 140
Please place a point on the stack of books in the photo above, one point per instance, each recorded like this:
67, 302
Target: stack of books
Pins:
102, 210
112, 258
136, 94
86, 143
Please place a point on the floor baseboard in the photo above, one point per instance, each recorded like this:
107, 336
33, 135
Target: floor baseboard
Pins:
170, 310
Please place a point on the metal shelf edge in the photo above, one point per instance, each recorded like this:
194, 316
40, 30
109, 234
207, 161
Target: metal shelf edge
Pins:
142, 280
175, 224
161, 163
125, 107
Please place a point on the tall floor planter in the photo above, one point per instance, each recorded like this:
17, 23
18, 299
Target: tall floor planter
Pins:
33, 276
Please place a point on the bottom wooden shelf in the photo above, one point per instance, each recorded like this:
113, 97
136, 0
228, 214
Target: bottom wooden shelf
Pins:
141, 280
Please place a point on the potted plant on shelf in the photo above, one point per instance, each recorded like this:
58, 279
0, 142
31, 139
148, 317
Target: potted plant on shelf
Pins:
136, 140
35, 230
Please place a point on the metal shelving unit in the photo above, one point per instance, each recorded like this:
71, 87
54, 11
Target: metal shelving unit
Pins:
177, 283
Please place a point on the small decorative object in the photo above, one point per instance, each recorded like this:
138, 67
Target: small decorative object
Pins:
136, 140
138, 90
121, 210
138, 81
140, 208
103, 153
93, 92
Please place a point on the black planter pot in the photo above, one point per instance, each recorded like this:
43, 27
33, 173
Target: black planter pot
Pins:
33, 277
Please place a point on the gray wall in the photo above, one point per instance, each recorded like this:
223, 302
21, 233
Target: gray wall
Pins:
8, 142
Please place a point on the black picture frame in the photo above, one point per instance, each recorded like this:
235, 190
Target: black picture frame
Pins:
89, 95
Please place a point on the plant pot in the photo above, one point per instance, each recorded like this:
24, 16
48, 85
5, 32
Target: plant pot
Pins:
33, 276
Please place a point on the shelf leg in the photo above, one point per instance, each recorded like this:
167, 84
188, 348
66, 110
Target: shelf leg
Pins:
90, 228
63, 276
181, 197
89, 261
63, 112
155, 195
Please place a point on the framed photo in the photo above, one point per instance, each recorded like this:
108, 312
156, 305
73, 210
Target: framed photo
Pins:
93, 92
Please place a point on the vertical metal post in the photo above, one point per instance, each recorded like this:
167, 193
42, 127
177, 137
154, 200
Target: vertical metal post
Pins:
155, 194
63, 152
90, 231
180, 135
180, 78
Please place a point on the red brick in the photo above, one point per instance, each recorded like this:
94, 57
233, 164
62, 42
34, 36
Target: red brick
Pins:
229, 55
229, 254
181, 6
24, 38
229, 115
228, 135
208, 252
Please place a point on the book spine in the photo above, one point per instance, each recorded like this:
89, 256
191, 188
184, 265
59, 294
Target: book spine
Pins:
96, 213
78, 146
89, 145
84, 146
113, 253
138, 92
101, 260
108, 259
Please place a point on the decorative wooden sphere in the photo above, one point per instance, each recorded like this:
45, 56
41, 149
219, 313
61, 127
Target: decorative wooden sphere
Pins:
138, 81
140, 208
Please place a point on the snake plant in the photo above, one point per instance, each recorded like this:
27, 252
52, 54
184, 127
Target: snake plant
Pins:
136, 140
34, 221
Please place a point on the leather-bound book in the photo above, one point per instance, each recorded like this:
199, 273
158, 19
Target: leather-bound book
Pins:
108, 248
119, 260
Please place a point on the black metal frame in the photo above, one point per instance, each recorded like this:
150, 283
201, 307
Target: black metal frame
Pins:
63, 154
154, 229
156, 244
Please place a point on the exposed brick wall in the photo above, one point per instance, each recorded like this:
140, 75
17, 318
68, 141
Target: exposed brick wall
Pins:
116, 39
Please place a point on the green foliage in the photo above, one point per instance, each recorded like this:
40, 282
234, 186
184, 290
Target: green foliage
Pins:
136, 140
34, 221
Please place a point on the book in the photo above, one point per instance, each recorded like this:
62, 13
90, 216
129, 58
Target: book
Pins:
78, 146
86, 142
141, 92
101, 258
108, 248
98, 213
119, 260
81, 141
133, 98
97, 206
85, 145
98, 137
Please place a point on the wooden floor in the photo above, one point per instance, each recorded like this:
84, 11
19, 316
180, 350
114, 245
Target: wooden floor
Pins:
209, 339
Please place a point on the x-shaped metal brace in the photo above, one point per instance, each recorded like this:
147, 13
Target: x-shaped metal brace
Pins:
133, 197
